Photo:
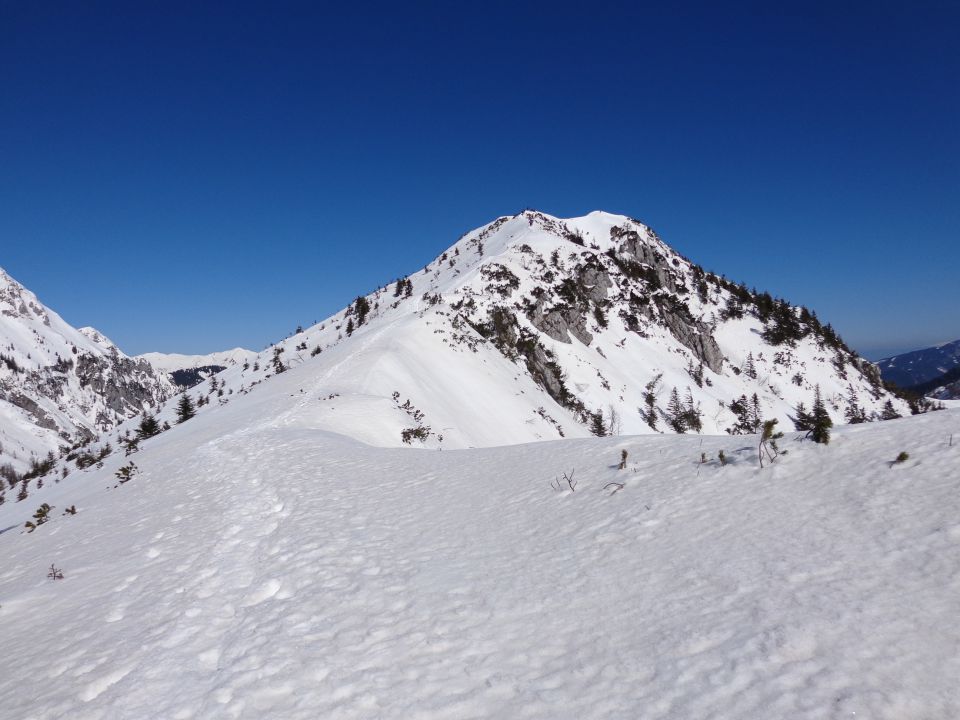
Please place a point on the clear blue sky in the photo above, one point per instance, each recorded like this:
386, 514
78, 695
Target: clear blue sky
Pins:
188, 179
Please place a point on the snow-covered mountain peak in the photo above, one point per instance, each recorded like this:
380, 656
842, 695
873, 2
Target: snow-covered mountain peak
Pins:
533, 327
60, 385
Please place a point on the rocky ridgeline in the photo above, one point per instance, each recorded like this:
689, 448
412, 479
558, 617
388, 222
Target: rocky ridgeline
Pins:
61, 387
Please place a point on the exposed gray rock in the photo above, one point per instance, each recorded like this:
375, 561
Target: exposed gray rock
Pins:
40, 416
697, 337
593, 281
634, 247
560, 322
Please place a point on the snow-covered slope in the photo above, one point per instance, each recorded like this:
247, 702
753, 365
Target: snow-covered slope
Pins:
257, 565
59, 385
535, 328
169, 362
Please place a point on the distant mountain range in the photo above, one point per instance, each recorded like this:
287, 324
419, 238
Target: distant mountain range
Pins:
171, 362
925, 370
188, 370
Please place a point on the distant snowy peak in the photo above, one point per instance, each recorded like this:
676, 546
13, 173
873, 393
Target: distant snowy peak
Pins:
168, 362
59, 385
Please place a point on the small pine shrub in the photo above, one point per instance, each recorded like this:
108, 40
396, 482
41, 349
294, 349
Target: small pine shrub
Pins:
126, 473
768, 442
41, 516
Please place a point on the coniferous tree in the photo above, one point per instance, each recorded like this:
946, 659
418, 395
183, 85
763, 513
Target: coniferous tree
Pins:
692, 414
854, 413
820, 420
748, 415
148, 427
650, 401
185, 409
596, 424
802, 421
349, 327
741, 411
756, 415
676, 413
749, 369
889, 412
278, 366
362, 308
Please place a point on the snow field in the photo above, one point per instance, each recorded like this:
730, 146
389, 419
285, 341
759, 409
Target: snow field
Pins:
259, 568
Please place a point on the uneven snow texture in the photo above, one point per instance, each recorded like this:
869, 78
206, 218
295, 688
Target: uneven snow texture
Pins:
257, 567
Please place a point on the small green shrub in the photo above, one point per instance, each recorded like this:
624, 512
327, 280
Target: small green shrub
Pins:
39, 518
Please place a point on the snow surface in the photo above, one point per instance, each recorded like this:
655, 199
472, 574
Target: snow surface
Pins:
260, 566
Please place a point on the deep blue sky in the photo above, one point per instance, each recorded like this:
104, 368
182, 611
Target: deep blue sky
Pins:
190, 179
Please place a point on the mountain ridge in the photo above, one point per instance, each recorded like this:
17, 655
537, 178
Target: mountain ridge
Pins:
531, 326
60, 386
534, 328
918, 367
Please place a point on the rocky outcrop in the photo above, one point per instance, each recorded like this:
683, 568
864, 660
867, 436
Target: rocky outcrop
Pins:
40, 416
593, 282
696, 336
560, 322
61, 385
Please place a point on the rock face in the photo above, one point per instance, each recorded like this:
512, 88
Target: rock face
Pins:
560, 322
60, 386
